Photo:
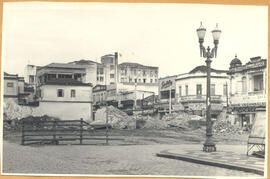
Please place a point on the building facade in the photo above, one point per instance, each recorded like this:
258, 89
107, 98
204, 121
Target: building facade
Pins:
66, 99
189, 89
248, 90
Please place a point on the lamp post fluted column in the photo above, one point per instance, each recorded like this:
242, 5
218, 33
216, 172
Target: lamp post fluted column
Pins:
209, 145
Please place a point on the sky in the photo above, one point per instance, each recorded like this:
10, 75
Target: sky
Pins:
154, 34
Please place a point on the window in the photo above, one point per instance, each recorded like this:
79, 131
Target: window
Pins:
225, 88
60, 93
31, 79
199, 89
111, 75
151, 80
135, 72
135, 80
97, 78
244, 85
151, 73
130, 79
155, 80
213, 86
11, 85
144, 80
144, 73
111, 67
72, 93
180, 91
101, 78
140, 80
186, 90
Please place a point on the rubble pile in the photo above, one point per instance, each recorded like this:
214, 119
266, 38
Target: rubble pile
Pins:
117, 118
148, 122
183, 120
224, 126
13, 111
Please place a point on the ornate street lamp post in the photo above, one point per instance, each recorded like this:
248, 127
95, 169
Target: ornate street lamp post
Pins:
209, 145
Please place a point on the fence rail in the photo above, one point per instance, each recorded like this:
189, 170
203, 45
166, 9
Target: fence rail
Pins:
56, 131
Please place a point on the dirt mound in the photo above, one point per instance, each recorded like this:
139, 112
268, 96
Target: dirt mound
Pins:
117, 118
148, 122
183, 120
224, 126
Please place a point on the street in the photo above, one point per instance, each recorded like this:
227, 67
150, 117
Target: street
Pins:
104, 160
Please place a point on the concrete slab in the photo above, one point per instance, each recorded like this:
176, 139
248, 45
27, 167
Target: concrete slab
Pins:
225, 159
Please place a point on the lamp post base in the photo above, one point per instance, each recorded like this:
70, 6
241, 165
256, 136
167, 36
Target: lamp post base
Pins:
209, 147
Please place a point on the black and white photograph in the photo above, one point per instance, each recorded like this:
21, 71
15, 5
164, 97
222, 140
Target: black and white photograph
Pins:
134, 89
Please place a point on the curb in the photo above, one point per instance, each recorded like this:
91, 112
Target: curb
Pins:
231, 166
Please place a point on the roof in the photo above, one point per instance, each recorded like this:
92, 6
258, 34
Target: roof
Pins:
135, 65
235, 62
83, 62
66, 82
63, 65
11, 75
203, 69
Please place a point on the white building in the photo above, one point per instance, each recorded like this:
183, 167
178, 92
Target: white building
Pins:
189, 89
248, 90
67, 99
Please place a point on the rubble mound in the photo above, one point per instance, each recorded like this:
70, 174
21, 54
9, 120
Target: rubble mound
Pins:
183, 120
117, 118
224, 126
148, 122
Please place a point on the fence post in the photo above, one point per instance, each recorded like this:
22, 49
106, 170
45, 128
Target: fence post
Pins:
81, 130
107, 115
54, 131
22, 142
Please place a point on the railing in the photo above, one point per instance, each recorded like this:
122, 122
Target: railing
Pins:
56, 131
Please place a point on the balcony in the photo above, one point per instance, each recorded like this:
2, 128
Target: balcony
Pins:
200, 99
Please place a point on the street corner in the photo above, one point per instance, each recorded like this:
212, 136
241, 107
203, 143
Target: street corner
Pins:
224, 159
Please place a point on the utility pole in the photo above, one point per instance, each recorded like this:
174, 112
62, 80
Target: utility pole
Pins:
170, 100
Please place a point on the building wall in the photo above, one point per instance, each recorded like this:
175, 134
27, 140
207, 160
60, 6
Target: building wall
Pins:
30, 70
10, 87
66, 110
21, 86
82, 93
91, 74
128, 74
122, 87
193, 82
110, 68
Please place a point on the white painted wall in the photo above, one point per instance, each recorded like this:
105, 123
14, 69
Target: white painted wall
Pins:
66, 110
83, 93
139, 87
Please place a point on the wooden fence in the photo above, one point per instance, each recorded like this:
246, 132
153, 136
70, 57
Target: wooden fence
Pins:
56, 131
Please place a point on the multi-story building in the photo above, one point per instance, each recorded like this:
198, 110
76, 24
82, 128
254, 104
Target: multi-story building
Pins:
16, 88
248, 90
68, 99
189, 89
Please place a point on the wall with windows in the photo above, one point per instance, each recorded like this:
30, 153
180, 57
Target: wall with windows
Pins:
10, 87
66, 93
197, 86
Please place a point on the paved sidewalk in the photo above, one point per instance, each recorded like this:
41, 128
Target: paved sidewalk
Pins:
229, 157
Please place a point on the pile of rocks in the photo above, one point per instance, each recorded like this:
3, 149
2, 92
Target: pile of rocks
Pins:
117, 118
224, 126
182, 120
148, 122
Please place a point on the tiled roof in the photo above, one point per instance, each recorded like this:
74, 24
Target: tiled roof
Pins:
83, 62
203, 69
64, 65
135, 65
